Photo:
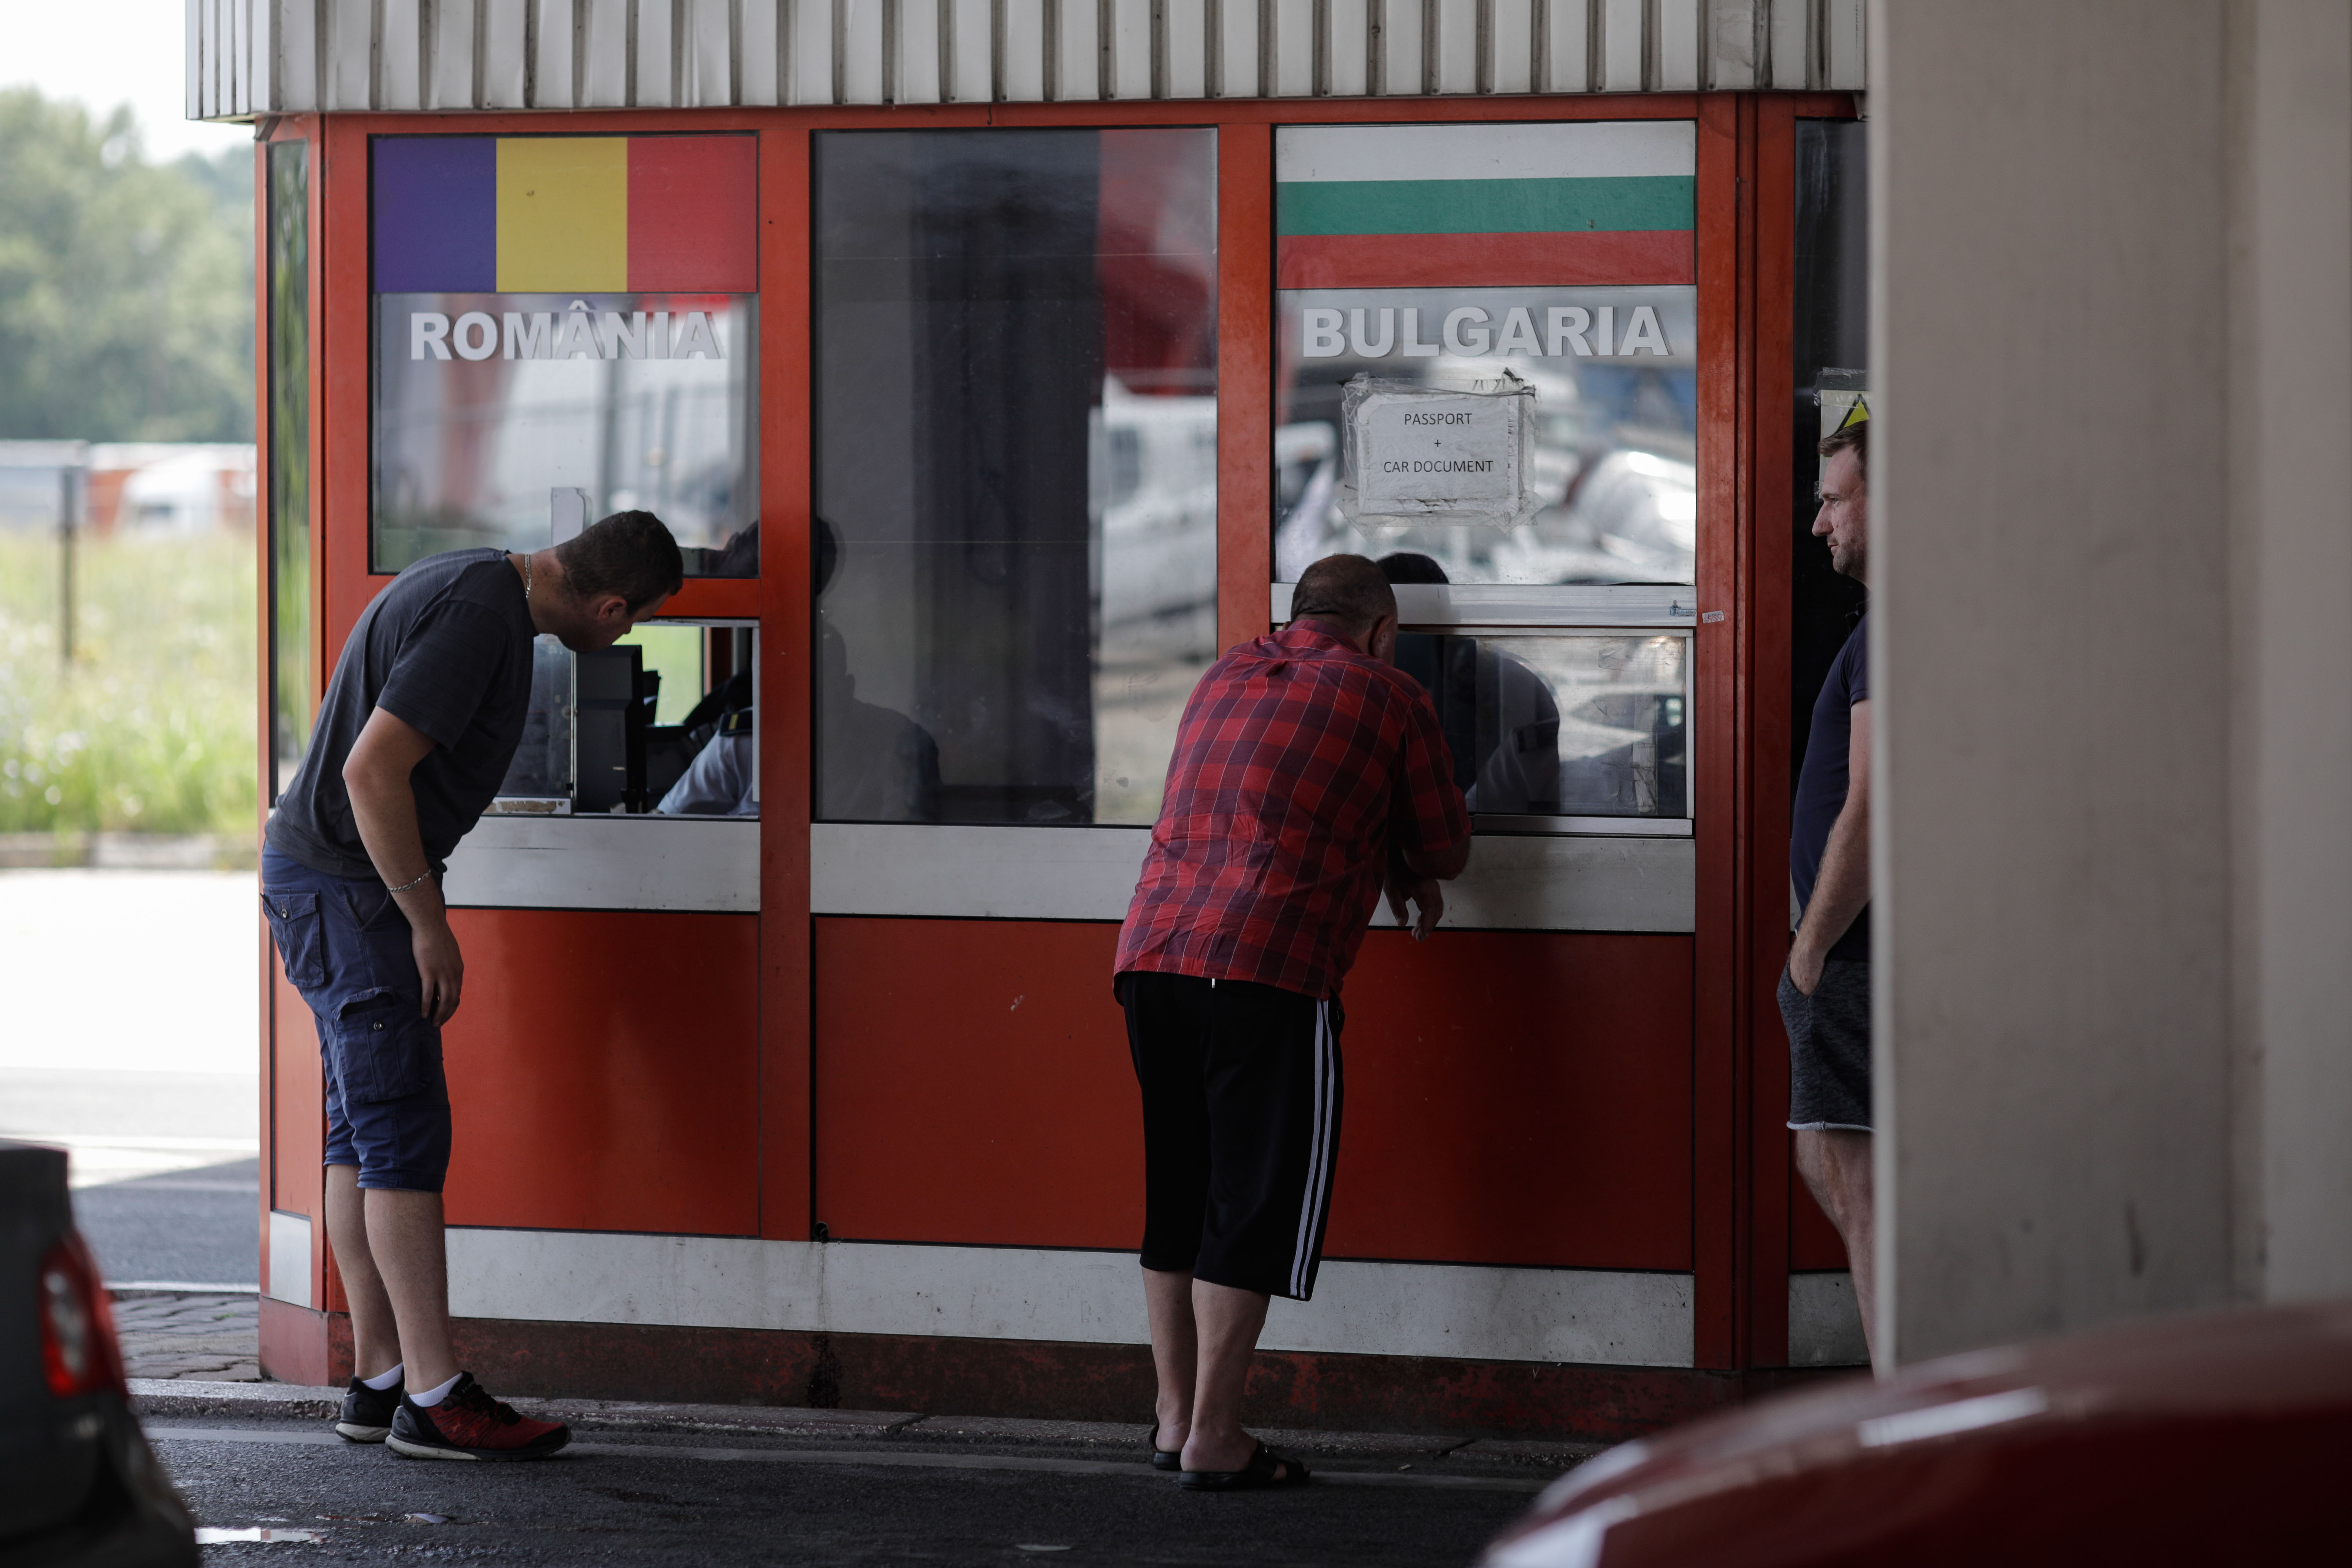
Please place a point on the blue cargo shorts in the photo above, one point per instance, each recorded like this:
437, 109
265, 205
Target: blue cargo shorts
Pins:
346, 947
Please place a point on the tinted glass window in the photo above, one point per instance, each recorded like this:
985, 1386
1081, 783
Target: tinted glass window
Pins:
565, 327
292, 702
1575, 725
1016, 470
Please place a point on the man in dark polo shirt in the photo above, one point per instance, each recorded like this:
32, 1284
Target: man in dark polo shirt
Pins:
1310, 773
1825, 995
417, 729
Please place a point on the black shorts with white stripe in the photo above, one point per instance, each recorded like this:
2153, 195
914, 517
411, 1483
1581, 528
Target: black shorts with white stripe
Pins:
1240, 1127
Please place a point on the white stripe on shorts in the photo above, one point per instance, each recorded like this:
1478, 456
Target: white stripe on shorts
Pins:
1319, 1153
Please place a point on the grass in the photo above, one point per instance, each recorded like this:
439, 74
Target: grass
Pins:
151, 729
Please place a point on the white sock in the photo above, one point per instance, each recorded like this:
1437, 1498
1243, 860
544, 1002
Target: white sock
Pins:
385, 1381
433, 1396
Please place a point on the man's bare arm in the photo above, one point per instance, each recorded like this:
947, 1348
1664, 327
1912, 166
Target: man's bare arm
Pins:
383, 803
1843, 888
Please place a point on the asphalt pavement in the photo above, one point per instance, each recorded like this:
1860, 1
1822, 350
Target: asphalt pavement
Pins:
846, 1487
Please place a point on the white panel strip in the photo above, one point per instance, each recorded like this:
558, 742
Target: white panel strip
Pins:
861, 50
290, 1259
708, 53
1185, 61
757, 55
1511, 66
551, 72
1621, 46
1677, 45
1293, 66
400, 57
974, 50
1237, 49
1583, 1316
1824, 1322
1455, 70
1401, 38
1841, 25
1130, 49
1733, 44
1350, 51
918, 53
1515, 882
351, 47
607, 863
1602, 147
1079, 68
812, 51
1791, 35
657, 57
1568, 35
264, 55
1512, 605
1024, 51
1003, 873
449, 43
603, 44
504, 54
1535, 882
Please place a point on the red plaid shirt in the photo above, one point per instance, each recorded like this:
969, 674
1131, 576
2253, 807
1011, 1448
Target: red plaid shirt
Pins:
1297, 761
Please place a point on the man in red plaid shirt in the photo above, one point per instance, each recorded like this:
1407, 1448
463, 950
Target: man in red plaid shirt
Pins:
1310, 773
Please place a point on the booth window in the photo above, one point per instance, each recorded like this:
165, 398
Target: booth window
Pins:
661, 723
564, 327
1016, 470
1554, 259
292, 703
1544, 730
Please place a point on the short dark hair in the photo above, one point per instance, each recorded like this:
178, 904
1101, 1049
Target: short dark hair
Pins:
1348, 590
1855, 438
630, 553
1412, 567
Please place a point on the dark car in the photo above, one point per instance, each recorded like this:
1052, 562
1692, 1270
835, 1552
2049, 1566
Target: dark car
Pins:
2221, 1438
78, 1483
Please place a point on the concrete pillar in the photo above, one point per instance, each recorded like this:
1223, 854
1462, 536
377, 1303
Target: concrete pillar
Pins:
2112, 667
2291, 562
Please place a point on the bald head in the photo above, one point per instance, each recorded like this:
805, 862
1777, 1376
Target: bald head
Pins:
1347, 590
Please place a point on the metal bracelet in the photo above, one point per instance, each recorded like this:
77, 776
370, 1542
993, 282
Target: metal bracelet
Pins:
405, 885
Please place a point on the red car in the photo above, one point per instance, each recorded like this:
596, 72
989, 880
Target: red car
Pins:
2216, 1439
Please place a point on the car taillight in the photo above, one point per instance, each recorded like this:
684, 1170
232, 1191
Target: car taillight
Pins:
78, 1349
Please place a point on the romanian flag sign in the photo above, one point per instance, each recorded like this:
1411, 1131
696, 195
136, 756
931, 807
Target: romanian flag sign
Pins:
529, 215
1400, 206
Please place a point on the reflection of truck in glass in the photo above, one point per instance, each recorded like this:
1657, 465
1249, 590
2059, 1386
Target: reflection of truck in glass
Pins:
1153, 489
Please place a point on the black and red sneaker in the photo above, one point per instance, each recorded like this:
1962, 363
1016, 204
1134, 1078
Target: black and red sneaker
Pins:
470, 1424
367, 1411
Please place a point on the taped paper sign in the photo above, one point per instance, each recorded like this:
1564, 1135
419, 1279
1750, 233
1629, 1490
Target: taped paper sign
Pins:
1418, 453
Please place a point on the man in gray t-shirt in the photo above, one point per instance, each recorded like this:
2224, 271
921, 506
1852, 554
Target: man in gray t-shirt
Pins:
419, 725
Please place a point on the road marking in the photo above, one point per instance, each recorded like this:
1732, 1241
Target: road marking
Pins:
912, 1461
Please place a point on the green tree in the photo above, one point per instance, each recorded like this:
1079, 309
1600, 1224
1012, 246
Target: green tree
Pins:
126, 287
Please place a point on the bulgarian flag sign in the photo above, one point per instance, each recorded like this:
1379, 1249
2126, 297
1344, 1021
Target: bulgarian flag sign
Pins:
1371, 206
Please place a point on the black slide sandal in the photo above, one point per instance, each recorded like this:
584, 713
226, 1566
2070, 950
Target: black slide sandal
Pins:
1161, 1458
1257, 1476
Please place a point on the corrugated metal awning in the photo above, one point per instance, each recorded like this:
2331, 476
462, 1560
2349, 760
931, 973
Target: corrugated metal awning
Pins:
272, 56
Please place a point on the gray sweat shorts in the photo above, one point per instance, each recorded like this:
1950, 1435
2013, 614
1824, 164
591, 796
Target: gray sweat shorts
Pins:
1829, 1049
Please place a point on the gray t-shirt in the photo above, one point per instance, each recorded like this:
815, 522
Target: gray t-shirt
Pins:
447, 647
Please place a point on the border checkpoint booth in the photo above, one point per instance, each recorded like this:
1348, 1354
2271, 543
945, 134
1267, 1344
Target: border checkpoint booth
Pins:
996, 365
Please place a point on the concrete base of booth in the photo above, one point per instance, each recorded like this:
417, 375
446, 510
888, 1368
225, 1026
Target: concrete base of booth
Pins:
1041, 1378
